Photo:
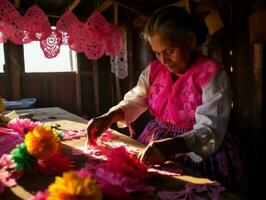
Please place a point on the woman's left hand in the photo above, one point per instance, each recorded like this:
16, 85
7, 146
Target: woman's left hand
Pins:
159, 151
152, 154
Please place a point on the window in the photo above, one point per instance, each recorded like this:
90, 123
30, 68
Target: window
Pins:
35, 61
2, 58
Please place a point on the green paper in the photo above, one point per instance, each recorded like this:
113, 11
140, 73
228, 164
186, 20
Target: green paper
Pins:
23, 160
59, 134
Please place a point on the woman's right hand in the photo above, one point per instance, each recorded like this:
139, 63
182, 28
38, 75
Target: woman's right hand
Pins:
97, 126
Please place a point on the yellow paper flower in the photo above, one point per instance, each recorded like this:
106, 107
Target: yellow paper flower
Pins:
42, 142
73, 187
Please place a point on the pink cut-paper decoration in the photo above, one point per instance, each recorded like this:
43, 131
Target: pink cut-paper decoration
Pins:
8, 140
97, 25
193, 192
41, 195
68, 23
108, 136
114, 41
123, 180
51, 45
5, 29
72, 29
94, 46
8, 174
73, 134
120, 186
37, 23
56, 164
13, 20
129, 164
22, 126
92, 138
76, 41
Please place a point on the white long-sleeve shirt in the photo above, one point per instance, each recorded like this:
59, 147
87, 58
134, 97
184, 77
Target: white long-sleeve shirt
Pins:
211, 116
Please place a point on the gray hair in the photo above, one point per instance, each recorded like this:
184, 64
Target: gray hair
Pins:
173, 23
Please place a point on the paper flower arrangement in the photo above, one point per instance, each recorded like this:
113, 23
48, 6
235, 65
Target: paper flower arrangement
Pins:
71, 186
22, 159
39, 151
41, 143
22, 126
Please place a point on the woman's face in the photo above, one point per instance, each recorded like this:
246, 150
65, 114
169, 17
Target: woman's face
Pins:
171, 56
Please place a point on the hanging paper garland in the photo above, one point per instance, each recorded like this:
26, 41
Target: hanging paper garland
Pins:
72, 28
94, 37
12, 19
76, 40
51, 44
114, 41
119, 64
97, 25
94, 47
67, 25
37, 23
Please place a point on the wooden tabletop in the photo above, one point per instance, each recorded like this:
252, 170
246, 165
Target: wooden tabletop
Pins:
31, 183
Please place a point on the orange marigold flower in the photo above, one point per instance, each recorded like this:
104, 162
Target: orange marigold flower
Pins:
73, 187
42, 142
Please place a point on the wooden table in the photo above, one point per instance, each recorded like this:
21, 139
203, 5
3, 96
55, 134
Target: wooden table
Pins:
31, 183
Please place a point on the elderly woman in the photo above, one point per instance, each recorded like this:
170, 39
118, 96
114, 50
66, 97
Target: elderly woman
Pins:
189, 96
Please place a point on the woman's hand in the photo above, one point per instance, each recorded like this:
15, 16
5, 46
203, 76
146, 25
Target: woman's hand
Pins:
98, 125
152, 154
159, 151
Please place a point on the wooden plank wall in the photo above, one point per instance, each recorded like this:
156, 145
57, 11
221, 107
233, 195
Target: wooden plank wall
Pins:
51, 89
4, 86
246, 81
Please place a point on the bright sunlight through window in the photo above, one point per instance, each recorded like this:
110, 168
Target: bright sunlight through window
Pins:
2, 58
35, 61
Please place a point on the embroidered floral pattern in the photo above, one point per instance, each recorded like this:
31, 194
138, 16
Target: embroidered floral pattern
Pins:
176, 102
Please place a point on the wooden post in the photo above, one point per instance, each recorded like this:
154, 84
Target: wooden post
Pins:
117, 81
78, 90
14, 68
96, 87
258, 71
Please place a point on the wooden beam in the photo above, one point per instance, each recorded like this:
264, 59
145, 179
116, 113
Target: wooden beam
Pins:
104, 5
73, 5
17, 3
187, 5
